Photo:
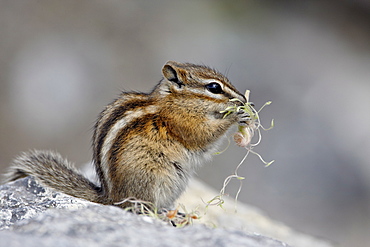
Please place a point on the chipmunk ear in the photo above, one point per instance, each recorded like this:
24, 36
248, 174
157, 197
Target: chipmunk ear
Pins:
173, 73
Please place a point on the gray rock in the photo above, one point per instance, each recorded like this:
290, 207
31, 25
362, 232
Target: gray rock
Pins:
32, 215
243, 217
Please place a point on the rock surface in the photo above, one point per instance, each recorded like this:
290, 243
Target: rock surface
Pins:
32, 215
242, 217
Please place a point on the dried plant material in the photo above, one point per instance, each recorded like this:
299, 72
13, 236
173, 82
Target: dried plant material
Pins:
172, 214
172, 217
243, 138
247, 131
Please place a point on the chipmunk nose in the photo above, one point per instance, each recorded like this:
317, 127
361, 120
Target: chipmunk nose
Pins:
242, 99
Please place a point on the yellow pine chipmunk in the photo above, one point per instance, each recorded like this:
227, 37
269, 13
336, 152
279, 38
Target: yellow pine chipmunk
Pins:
146, 145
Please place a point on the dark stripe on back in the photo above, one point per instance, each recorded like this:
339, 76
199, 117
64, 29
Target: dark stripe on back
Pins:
114, 116
152, 121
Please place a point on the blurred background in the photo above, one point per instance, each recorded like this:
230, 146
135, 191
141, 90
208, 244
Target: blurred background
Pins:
61, 62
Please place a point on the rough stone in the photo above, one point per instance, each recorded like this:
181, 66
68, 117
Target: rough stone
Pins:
33, 215
243, 217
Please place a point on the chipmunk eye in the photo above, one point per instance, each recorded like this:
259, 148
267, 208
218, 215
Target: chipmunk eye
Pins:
215, 88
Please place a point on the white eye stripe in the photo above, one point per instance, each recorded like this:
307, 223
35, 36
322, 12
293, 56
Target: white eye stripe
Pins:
203, 91
225, 88
207, 81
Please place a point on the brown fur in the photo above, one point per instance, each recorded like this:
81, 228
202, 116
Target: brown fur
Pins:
147, 146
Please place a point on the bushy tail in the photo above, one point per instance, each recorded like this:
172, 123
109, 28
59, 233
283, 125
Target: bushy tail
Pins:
52, 170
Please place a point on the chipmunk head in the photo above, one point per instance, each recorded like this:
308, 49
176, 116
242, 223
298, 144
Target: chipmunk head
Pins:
199, 80
187, 81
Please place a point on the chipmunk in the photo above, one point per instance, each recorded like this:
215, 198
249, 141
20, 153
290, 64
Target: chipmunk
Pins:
146, 145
